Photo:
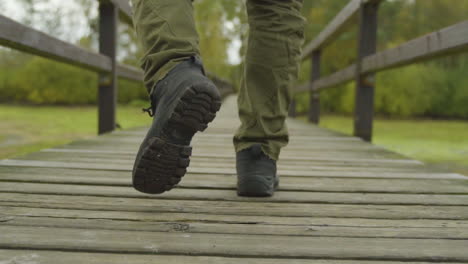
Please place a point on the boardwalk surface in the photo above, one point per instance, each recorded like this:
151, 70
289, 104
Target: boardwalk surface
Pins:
340, 201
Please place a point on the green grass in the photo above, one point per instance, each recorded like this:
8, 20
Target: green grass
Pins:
442, 143
26, 129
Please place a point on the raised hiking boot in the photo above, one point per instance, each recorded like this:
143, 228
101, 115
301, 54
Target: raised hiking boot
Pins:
182, 103
256, 173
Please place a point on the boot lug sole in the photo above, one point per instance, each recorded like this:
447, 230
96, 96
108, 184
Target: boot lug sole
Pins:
163, 164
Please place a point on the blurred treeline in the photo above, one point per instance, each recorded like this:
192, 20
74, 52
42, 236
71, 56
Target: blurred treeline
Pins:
434, 89
438, 88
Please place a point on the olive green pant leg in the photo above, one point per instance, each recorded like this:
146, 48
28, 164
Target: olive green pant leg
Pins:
271, 66
166, 30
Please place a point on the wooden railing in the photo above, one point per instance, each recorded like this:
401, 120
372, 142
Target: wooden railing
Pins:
20, 37
444, 42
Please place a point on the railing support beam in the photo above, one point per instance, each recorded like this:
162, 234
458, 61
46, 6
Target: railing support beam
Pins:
292, 108
365, 83
107, 91
314, 101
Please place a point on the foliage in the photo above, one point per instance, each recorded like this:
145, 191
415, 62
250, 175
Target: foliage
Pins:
438, 88
25, 129
41, 81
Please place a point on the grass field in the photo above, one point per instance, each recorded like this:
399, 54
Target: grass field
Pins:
26, 129
441, 143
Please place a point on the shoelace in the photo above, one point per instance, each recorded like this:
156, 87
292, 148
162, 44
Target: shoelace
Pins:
150, 110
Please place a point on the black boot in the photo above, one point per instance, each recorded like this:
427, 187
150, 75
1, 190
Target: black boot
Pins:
182, 103
256, 173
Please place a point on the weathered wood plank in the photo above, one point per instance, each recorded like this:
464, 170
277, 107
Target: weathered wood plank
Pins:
125, 10
339, 22
220, 161
316, 171
234, 245
334, 79
364, 95
23, 38
46, 256
446, 41
107, 85
230, 195
331, 222
327, 230
129, 72
264, 208
353, 160
216, 162
377, 153
216, 181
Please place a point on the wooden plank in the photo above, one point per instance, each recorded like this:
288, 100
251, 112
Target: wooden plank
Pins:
285, 229
231, 157
17, 36
47, 256
335, 152
364, 96
314, 100
446, 41
10, 212
216, 162
113, 178
339, 22
129, 72
292, 108
227, 139
315, 171
449, 40
324, 146
107, 86
334, 79
229, 195
233, 245
257, 208
214, 181
125, 10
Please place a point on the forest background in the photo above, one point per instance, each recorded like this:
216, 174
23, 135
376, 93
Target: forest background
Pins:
435, 89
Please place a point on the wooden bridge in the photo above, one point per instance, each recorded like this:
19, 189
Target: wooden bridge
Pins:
341, 199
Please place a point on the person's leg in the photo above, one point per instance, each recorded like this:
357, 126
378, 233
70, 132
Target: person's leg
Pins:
167, 34
271, 66
183, 99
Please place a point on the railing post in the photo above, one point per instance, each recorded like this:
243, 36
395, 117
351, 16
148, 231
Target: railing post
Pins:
292, 108
364, 107
107, 91
314, 101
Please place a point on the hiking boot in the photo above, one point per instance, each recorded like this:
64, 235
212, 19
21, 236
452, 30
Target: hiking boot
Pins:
256, 173
182, 103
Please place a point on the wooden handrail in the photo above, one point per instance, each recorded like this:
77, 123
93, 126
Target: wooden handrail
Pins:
20, 37
333, 29
23, 38
444, 42
449, 40
125, 10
